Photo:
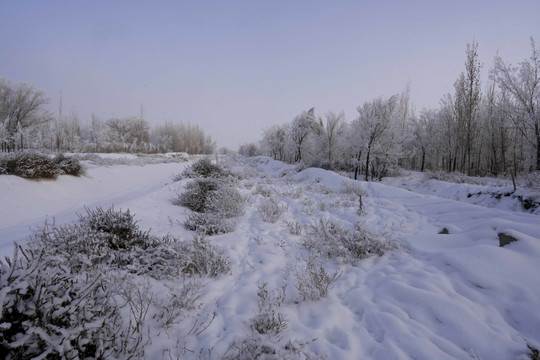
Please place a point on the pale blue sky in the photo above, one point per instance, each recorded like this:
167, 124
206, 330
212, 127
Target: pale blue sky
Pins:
237, 67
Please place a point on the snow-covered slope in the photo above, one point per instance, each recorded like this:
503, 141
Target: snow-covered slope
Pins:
494, 193
443, 296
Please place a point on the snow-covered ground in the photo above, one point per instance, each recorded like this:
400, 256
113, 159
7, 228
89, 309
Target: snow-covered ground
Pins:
489, 192
442, 296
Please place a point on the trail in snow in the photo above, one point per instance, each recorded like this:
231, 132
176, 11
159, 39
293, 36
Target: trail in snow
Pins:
28, 204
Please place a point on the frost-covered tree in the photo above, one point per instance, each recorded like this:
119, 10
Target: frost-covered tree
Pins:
301, 128
274, 141
423, 133
331, 132
376, 121
522, 83
467, 101
22, 109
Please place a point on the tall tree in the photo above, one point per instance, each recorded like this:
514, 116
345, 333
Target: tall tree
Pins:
523, 84
467, 104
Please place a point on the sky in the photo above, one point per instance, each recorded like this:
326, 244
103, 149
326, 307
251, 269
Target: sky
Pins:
237, 67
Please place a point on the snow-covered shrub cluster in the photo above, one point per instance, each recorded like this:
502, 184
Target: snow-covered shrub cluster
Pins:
270, 209
83, 290
313, 281
329, 239
37, 166
269, 320
68, 165
268, 339
50, 312
454, 177
530, 181
196, 193
204, 168
212, 198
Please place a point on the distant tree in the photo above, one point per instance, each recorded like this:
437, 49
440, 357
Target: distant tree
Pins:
249, 150
331, 131
376, 121
126, 134
522, 83
22, 108
274, 141
423, 131
301, 127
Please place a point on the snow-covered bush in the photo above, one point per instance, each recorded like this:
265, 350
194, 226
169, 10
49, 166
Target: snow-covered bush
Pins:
329, 239
214, 202
68, 165
226, 201
196, 194
49, 312
313, 282
37, 166
269, 320
270, 209
262, 190
110, 239
203, 258
263, 347
352, 188
530, 181
295, 228
204, 168
209, 223
28, 165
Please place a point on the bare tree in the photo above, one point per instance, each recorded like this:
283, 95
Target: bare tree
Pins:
467, 102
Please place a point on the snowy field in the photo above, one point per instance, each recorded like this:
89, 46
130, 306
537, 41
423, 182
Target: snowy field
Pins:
436, 296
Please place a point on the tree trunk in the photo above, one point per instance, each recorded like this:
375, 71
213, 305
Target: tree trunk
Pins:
423, 159
367, 163
537, 130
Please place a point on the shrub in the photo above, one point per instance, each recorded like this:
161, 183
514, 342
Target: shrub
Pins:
226, 201
262, 347
295, 228
270, 209
68, 165
203, 258
313, 282
48, 312
196, 193
204, 168
109, 239
268, 320
29, 166
329, 239
209, 223
36, 166
213, 202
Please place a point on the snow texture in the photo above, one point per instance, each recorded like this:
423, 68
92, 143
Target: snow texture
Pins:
438, 296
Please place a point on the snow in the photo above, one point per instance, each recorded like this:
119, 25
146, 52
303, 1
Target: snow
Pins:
443, 296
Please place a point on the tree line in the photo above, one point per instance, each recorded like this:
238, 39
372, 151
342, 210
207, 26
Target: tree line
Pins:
27, 123
475, 130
